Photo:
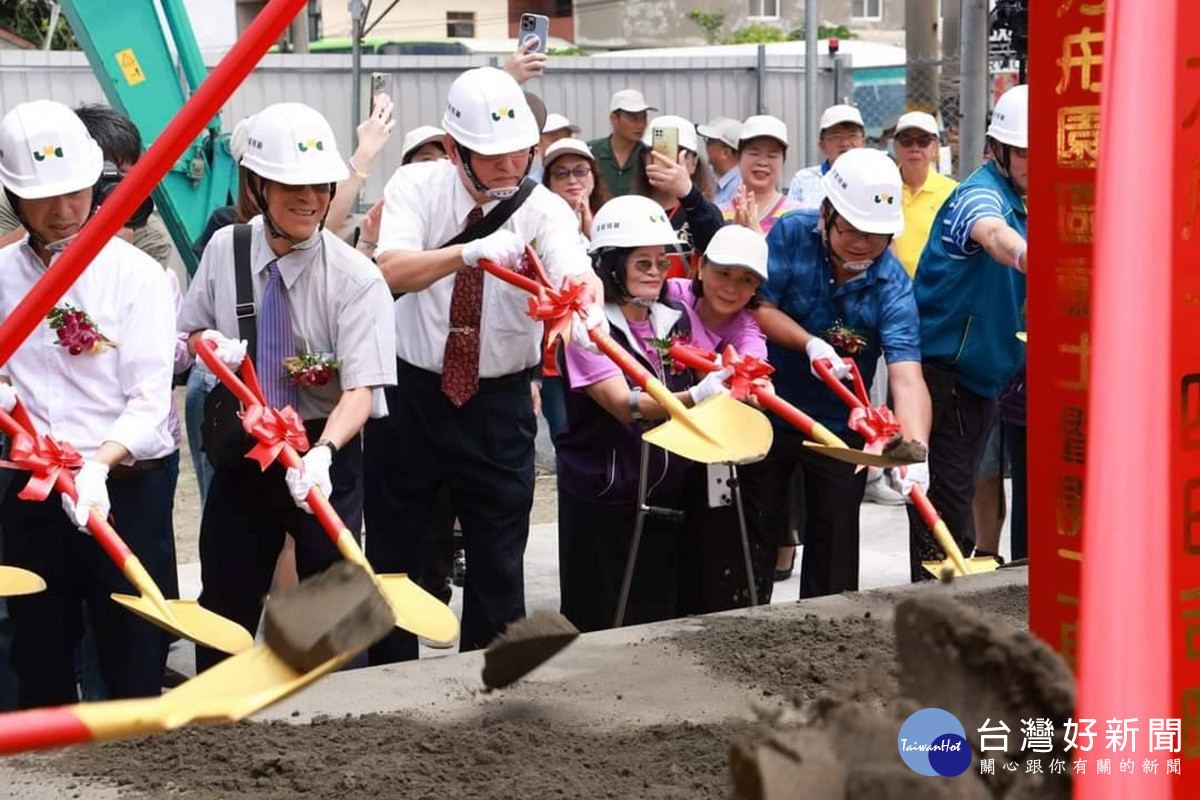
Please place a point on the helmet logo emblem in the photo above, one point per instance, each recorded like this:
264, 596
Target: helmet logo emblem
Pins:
883, 198
47, 151
310, 144
502, 113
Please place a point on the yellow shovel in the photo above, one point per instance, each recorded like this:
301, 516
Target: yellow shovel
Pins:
416, 610
16, 581
49, 462
719, 430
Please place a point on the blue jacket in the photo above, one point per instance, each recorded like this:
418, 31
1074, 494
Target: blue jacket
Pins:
970, 304
877, 305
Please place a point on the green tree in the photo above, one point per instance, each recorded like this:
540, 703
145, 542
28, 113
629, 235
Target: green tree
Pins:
709, 21
30, 19
756, 33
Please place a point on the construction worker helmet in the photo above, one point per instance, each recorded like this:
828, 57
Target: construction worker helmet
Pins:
486, 112
864, 186
291, 143
1010, 118
46, 151
631, 221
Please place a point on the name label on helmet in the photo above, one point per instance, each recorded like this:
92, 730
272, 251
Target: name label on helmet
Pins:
837, 176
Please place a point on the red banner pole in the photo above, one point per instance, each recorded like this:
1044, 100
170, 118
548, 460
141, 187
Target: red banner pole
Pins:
266, 29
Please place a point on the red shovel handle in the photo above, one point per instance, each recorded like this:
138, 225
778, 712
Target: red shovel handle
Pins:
925, 508
41, 728
825, 370
508, 276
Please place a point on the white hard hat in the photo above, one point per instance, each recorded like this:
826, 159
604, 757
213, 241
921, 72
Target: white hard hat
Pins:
487, 113
239, 139
864, 187
738, 246
417, 138
919, 120
722, 129
764, 125
688, 139
1010, 118
631, 221
841, 113
45, 151
564, 147
630, 100
557, 122
291, 143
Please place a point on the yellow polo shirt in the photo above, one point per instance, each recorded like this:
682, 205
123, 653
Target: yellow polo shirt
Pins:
919, 210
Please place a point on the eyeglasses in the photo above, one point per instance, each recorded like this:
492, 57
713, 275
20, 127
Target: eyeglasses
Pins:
646, 264
580, 172
923, 140
851, 232
842, 138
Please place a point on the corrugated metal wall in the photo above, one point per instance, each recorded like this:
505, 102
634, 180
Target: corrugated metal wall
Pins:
577, 87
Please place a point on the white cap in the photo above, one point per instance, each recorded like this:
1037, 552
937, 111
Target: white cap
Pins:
556, 122
764, 125
738, 246
417, 138
841, 113
564, 147
630, 100
919, 120
688, 139
722, 129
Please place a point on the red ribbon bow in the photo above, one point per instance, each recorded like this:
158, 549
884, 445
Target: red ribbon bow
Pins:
876, 425
747, 370
273, 428
45, 457
555, 307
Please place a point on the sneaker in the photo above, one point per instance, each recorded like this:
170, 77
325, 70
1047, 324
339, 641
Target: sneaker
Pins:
880, 493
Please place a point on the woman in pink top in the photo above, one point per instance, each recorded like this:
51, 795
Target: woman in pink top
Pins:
762, 148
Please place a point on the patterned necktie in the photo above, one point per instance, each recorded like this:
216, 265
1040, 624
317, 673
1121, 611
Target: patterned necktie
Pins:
460, 361
275, 343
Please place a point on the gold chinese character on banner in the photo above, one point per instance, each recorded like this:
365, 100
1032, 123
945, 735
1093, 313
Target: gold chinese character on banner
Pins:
1078, 136
1070, 505
1188, 121
1085, 9
1193, 201
1074, 279
1076, 207
1081, 353
1086, 60
1074, 440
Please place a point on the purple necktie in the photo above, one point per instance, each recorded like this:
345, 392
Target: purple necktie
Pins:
275, 343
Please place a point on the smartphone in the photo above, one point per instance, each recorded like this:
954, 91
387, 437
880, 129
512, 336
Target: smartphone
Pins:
665, 140
381, 83
536, 26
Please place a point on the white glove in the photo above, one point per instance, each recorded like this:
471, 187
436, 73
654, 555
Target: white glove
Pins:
230, 352
903, 479
594, 318
713, 383
502, 247
315, 472
8, 398
91, 489
817, 349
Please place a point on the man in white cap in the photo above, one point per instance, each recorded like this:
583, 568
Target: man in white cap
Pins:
721, 143
618, 154
925, 189
423, 143
842, 129
556, 127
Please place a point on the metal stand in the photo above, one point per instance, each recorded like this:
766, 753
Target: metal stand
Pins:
643, 510
735, 485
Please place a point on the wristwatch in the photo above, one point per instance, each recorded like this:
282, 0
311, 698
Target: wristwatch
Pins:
634, 410
326, 443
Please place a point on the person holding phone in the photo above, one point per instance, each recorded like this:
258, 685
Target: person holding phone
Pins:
679, 184
619, 155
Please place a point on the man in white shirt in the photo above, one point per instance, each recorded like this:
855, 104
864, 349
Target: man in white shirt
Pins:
721, 144
842, 129
461, 414
103, 385
315, 298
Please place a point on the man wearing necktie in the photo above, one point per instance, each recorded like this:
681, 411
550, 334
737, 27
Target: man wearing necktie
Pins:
461, 414
315, 297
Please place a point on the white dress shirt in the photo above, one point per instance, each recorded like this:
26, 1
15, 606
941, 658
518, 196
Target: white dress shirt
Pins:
806, 188
339, 303
121, 394
426, 205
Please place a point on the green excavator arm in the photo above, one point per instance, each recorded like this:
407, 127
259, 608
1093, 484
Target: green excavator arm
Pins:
148, 70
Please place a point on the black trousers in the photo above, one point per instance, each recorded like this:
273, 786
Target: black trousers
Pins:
484, 452
961, 421
593, 548
833, 493
712, 568
48, 626
439, 558
245, 518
